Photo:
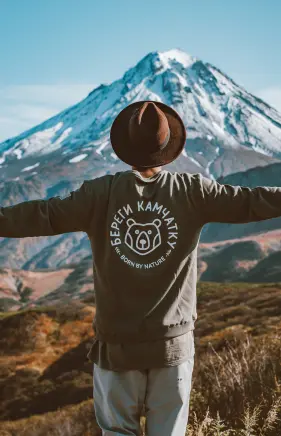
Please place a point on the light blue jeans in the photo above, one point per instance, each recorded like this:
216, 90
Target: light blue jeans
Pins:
119, 398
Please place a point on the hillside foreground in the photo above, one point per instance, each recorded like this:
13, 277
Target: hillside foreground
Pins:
46, 379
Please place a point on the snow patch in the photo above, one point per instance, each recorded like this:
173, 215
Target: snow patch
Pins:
98, 150
40, 141
18, 153
63, 136
114, 155
220, 130
195, 161
30, 167
176, 54
78, 158
260, 150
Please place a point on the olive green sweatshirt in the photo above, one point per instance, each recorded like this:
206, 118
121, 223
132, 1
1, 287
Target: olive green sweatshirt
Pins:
144, 235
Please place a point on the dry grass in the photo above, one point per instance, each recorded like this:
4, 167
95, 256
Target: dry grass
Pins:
238, 391
236, 385
68, 421
235, 392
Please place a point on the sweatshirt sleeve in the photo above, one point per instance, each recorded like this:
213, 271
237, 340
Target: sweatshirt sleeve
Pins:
49, 217
236, 204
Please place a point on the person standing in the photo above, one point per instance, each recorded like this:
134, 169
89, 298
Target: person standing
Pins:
144, 226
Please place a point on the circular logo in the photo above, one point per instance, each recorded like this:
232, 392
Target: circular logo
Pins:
144, 234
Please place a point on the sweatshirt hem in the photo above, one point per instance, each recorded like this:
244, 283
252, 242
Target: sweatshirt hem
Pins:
146, 333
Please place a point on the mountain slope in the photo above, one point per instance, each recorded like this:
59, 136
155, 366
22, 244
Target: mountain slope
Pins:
228, 131
222, 120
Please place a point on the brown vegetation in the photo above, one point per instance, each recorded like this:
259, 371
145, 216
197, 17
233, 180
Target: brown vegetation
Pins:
46, 380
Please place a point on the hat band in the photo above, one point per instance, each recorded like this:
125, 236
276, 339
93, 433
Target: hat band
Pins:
166, 140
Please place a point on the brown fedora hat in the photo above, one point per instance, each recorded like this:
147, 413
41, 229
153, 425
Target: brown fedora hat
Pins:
148, 134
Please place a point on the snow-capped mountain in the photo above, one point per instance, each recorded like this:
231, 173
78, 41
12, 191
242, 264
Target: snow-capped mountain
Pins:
228, 131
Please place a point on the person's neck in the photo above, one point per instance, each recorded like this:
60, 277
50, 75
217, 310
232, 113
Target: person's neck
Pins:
148, 172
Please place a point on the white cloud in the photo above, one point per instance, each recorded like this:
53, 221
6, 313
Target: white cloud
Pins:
25, 106
272, 96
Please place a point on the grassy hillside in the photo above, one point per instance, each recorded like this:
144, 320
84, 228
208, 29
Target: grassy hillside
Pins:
46, 379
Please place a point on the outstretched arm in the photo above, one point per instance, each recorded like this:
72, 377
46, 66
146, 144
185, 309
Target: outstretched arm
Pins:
235, 204
48, 217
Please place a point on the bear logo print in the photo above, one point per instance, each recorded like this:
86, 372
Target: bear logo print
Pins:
143, 238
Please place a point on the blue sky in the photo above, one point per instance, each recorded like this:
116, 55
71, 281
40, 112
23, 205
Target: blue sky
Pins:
53, 52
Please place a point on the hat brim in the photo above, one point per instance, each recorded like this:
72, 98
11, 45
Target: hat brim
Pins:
133, 155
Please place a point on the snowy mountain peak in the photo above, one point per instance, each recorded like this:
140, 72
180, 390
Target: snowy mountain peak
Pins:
157, 62
168, 57
228, 129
